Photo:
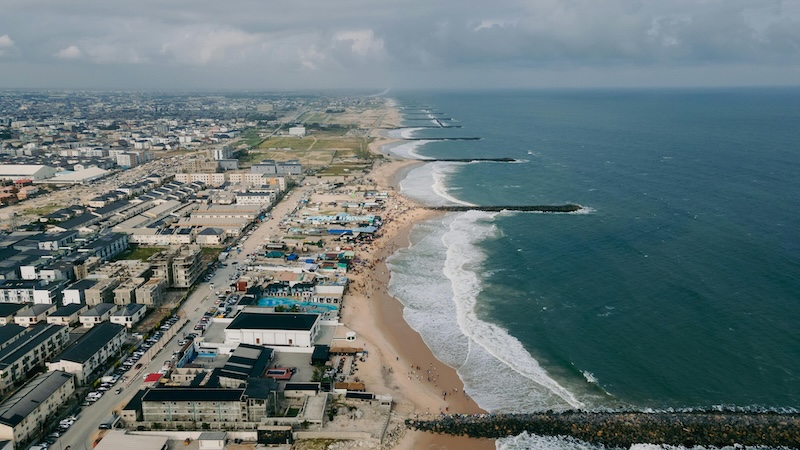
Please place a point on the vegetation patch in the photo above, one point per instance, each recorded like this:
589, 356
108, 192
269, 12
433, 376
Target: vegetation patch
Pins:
41, 211
139, 252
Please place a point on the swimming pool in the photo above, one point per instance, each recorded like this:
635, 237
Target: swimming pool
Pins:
309, 306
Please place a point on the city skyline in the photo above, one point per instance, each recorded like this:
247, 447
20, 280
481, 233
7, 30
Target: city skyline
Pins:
410, 44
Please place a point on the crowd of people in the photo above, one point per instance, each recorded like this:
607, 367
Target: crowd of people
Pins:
623, 429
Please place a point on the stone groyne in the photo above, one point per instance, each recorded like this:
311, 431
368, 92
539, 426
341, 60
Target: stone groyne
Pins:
468, 160
524, 208
445, 139
624, 429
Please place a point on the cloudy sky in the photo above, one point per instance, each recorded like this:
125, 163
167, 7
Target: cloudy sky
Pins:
281, 44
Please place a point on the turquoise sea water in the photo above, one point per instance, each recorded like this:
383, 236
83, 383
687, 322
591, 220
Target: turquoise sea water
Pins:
677, 287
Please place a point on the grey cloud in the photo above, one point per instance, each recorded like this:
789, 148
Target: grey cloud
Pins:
350, 41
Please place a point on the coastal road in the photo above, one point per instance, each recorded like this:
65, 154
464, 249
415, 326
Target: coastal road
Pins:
82, 434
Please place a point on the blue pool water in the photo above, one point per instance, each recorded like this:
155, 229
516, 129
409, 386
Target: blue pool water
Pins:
309, 306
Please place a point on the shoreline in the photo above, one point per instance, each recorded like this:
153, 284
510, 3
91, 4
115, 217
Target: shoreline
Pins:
421, 385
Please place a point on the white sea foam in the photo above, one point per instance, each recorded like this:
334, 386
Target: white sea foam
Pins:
527, 441
441, 171
463, 259
407, 133
403, 133
437, 281
408, 150
428, 184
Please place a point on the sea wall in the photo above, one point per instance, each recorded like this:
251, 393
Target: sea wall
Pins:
624, 429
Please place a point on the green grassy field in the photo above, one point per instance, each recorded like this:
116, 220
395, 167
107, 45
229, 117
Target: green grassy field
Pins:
140, 253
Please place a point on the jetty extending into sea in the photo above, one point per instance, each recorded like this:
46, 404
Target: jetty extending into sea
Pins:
468, 160
524, 208
624, 429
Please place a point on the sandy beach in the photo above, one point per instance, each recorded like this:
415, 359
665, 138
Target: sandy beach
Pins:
405, 367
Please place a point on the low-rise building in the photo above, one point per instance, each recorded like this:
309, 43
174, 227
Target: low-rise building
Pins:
99, 313
187, 266
152, 292
34, 314
329, 293
129, 315
246, 361
219, 407
101, 292
27, 291
76, 292
90, 352
161, 236
24, 414
9, 310
210, 236
125, 293
273, 329
37, 345
68, 315
121, 440
211, 179
10, 333
106, 246
255, 198
26, 172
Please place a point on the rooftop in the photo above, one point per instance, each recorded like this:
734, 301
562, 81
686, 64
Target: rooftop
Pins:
68, 310
273, 321
33, 337
190, 394
33, 394
7, 309
90, 343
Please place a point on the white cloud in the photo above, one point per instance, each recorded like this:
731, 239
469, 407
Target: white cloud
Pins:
6, 44
71, 52
357, 40
6, 41
203, 45
362, 42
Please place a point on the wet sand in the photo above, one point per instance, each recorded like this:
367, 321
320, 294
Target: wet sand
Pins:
421, 385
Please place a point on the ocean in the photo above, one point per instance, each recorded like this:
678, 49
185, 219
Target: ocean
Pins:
677, 286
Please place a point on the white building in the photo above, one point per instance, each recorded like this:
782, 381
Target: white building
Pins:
297, 131
67, 315
26, 172
210, 236
37, 345
255, 198
223, 152
25, 291
211, 179
100, 313
24, 413
129, 315
328, 293
90, 351
274, 329
37, 313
